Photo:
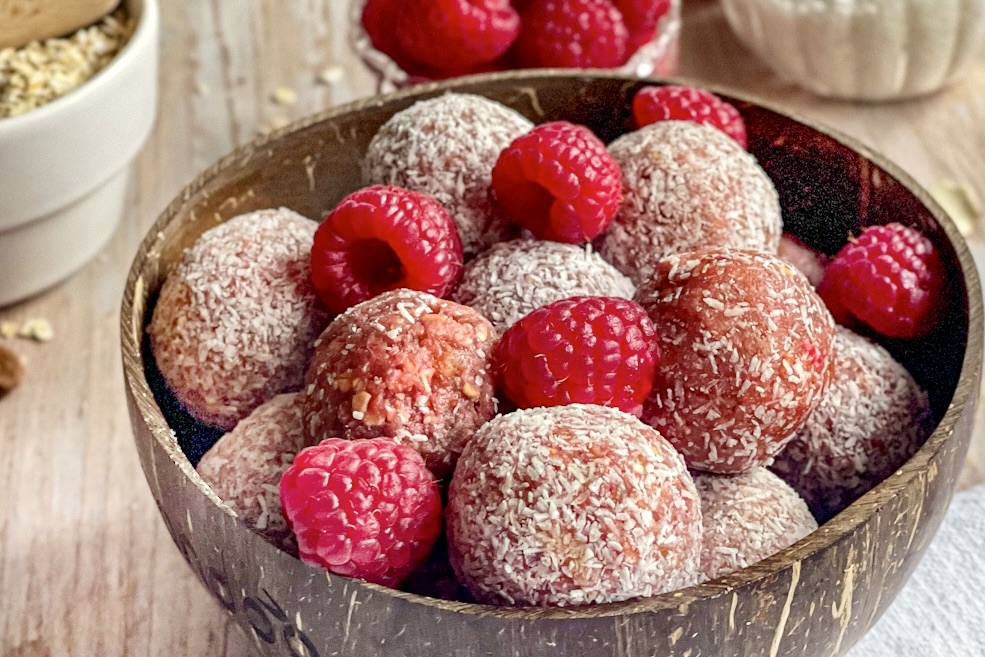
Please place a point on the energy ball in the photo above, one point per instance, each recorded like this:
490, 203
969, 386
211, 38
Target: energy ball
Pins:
687, 186
446, 147
404, 365
513, 278
235, 322
745, 346
872, 418
245, 466
746, 518
808, 261
571, 505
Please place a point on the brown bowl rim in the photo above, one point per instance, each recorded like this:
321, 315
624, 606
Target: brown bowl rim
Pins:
132, 328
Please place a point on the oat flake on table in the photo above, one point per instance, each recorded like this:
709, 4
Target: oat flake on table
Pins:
41, 71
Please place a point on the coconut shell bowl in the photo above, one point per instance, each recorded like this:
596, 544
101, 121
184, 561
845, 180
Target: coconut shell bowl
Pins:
816, 597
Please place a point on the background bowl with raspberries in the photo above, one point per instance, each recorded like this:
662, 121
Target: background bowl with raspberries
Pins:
849, 538
408, 43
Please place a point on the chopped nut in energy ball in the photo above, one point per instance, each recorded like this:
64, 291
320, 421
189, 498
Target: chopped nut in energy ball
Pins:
41, 71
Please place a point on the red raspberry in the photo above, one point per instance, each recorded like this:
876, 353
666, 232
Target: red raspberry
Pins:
641, 18
572, 34
559, 182
672, 102
457, 34
382, 238
587, 350
379, 21
363, 508
891, 278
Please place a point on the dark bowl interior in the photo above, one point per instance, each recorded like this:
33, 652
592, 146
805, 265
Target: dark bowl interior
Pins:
814, 598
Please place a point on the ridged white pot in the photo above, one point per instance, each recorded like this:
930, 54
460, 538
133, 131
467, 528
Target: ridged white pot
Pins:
862, 49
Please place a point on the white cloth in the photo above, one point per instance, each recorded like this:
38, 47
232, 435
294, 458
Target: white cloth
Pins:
941, 610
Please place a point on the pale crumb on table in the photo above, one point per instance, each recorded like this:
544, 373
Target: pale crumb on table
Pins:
37, 329
284, 96
961, 203
275, 123
202, 89
8, 329
11, 370
331, 74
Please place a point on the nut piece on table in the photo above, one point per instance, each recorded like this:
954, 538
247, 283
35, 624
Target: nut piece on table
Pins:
11, 370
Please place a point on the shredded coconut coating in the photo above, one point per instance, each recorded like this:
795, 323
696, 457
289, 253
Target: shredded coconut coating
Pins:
872, 418
404, 365
745, 346
746, 518
572, 505
235, 322
446, 147
687, 186
245, 466
514, 278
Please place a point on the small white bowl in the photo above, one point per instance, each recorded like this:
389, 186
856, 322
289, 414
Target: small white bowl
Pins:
64, 166
862, 49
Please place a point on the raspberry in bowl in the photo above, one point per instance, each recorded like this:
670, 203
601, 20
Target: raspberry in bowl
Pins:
290, 606
406, 43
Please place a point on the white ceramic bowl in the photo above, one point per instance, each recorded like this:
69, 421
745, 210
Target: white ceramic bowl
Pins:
862, 49
64, 166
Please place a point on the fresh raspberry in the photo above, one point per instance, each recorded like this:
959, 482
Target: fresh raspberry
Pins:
587, 350
382, 238
379, 20
891, 278
641, 18
674, 102
559, 182
572, 34
457, 34
362, 508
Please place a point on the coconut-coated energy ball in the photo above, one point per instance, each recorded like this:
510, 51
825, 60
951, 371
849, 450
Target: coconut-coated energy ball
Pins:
571, 505
446, 147
872, 418
235, 322
745, 346
808, 261
403, 365
513, 278
748, 517
687, 186
245, 466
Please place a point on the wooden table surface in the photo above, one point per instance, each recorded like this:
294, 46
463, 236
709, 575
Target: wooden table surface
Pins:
86, 565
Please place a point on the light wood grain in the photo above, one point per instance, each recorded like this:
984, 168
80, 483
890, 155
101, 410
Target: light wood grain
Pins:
86, 565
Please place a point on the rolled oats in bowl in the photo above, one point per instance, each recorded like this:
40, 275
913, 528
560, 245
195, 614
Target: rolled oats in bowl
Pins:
41, 71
